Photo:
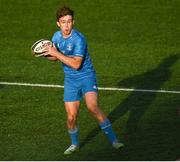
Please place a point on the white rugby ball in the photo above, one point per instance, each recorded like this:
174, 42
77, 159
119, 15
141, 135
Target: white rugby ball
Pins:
39, 46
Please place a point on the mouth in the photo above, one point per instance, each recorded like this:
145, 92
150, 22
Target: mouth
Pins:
67, 31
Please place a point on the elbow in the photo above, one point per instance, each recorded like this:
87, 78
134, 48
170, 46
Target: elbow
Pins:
76, 66
76, 63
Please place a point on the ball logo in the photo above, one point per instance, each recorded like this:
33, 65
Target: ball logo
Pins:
39, 46
43, 45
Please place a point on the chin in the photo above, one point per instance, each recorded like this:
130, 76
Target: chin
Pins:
66, 33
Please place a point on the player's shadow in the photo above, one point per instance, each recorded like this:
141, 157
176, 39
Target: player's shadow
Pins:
138, 102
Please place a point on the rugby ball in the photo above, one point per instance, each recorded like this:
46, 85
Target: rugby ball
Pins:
39, 46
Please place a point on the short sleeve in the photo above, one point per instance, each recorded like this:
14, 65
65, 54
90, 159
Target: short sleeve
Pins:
79, 47
54, 39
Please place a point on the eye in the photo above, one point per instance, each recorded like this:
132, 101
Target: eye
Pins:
70, 20
63, 21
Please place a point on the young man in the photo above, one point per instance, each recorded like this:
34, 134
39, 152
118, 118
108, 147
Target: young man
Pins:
70, 48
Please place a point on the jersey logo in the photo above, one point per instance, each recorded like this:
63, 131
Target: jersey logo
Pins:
69, 47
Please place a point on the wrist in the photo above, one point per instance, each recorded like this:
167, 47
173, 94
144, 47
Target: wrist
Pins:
56, 53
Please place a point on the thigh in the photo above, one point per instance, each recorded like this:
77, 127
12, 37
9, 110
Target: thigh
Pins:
91, 99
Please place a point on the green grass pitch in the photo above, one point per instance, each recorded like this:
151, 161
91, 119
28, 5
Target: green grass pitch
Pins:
133, 44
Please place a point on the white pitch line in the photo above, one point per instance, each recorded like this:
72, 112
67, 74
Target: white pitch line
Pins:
100, 88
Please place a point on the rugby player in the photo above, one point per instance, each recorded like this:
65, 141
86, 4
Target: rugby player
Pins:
70, 48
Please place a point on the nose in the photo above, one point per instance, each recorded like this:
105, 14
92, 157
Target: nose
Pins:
66, 24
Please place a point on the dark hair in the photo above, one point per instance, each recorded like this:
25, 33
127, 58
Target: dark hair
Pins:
63, 11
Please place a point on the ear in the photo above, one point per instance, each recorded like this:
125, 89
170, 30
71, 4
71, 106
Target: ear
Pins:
73, 22
58, 24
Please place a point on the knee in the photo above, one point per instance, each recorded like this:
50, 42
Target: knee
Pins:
93, 108
71, 118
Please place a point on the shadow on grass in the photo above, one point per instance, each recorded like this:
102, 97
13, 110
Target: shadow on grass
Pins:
137, 103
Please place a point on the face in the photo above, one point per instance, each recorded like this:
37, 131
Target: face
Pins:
65, 23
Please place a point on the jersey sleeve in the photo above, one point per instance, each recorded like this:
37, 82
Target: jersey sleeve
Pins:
80, 47
54, 39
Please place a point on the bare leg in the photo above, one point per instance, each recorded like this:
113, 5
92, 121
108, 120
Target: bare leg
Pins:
91, 99
72, 112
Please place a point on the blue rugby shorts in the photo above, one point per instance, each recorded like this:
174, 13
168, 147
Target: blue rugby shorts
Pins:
75, 88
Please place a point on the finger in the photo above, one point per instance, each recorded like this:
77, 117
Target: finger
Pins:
46, 48
45, 53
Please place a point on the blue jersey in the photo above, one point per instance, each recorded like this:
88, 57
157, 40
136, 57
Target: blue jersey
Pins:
74, 45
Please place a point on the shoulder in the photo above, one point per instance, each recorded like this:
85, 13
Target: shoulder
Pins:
56, 35
78, 36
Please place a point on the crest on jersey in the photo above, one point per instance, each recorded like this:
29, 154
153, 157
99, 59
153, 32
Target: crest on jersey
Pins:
69, 47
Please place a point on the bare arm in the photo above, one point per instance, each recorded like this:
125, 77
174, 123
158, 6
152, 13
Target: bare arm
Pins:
51, 58
54, 54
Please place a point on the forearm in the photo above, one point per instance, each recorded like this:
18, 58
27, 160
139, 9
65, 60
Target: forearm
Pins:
73, 62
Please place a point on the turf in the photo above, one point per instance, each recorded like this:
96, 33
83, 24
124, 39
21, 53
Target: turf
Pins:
133, 44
